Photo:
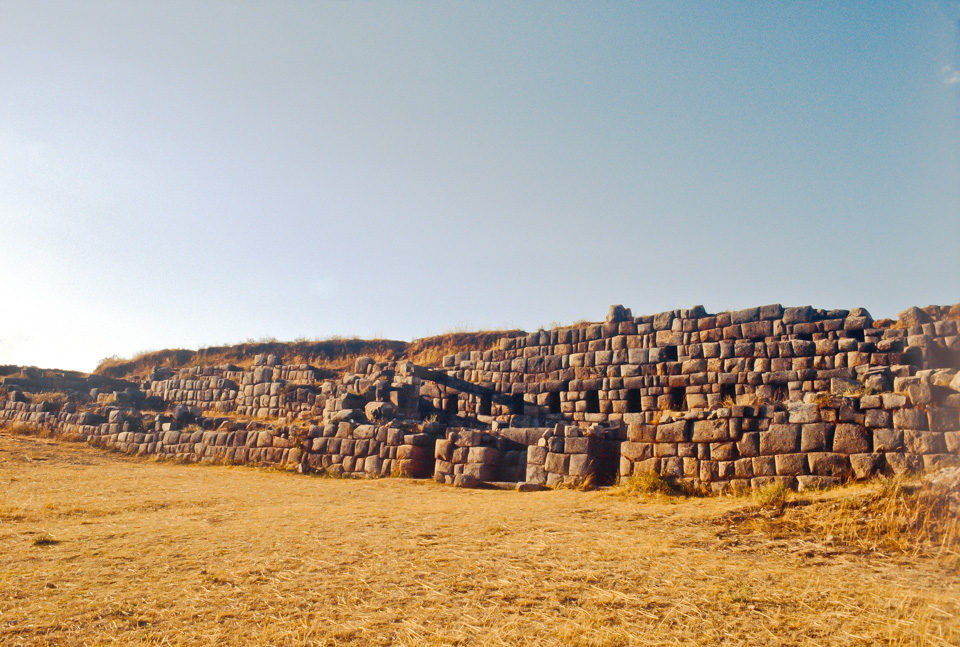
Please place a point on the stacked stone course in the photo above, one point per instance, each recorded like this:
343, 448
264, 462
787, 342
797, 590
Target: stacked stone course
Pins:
727, 401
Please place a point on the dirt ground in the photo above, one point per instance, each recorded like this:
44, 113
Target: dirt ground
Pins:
97, 548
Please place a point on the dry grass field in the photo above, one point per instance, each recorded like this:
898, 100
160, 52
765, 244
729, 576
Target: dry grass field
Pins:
97, 548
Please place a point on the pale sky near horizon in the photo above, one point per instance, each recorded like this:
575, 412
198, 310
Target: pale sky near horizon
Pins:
184, 174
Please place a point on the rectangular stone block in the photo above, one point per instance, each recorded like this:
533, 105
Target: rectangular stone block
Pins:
743, 468
951, 440
640, 433
780, 439
576, 445
709, 471
647, 466
482, 471
710, 431
478, 455
851, 439
443, 450
557, 463
672, 432
664, 449
923, 442
877, 418
536, 455
817, 437
887, 440
536, 474
866, 465
828, 464
764, 466
580, 465
636, 451
790, 464
914, 419
723, 451
671, 467
943, 419
804, 413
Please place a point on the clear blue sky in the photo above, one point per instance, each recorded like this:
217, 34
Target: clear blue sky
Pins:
181, 174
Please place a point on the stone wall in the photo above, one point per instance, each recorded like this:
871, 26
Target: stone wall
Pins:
725, 401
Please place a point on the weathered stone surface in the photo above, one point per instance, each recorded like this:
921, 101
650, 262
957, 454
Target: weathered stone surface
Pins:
923, 442
913, 316
817, 437
780, 439
465, 481
811, 482
850, 439
828, 464
636, 451
804, 413
576, 445
887, 440
580, 465
943, 419
557, 463
910, 419
901, 464
866, 465
790, 464
710, 431
673, 432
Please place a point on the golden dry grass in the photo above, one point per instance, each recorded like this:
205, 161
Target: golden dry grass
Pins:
334, 356
97, 548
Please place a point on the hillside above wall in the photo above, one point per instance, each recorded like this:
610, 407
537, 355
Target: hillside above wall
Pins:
334, 356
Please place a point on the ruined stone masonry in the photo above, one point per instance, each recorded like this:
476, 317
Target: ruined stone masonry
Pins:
726, 401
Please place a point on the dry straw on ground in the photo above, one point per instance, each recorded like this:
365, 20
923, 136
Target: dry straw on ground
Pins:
98, 549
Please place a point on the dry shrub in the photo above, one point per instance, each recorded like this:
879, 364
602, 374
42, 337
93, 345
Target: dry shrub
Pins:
27, 429
645, 484
772, 497
890, 516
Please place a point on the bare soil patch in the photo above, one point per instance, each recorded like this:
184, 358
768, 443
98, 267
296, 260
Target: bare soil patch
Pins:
97, 548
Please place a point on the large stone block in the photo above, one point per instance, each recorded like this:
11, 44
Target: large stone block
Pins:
780, 439
828, 464
749, 444
923, 442
636, 451
743, 468
671, 467
850, 439
673, 432
580, 465
536, 455
443, 450
816, 437
790, 464
910, 419
764, 466
536, 474
866, 465
902, 463
710, 431
943, 419
887, 440
723, 451
482, 455
557, 463
576, 445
